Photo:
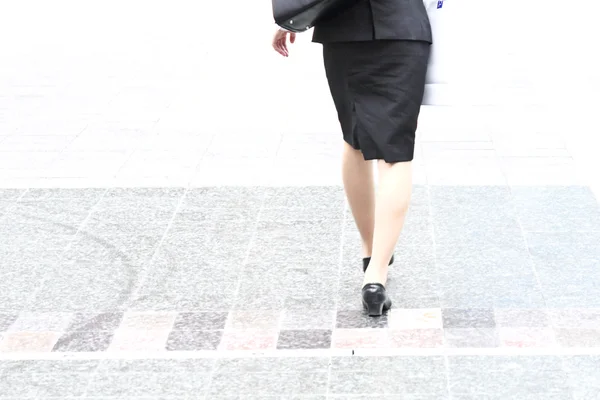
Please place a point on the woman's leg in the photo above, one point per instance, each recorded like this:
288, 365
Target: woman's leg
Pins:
357, 175
391, 205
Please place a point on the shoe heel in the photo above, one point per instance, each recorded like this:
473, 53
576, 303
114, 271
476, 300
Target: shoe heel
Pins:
374, 302
374, 309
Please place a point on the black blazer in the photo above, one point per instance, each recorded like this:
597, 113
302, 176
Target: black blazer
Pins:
377, 20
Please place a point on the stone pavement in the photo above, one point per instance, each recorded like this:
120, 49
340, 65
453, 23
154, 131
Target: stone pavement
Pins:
166, 233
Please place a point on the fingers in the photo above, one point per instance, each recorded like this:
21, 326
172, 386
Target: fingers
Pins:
280, 42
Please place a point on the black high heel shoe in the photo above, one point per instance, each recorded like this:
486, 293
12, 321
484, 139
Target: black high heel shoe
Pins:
367, 260
375, 299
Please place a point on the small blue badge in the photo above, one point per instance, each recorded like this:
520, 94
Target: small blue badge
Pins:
440, 3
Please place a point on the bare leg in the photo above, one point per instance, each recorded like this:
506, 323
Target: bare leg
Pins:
392, 201
357, 175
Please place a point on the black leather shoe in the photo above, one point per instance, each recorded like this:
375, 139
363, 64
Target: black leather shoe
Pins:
375, 299
367, 260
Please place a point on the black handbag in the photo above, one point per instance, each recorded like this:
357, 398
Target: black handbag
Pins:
301, 15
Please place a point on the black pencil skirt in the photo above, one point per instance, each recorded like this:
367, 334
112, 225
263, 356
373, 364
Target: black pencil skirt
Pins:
377, 87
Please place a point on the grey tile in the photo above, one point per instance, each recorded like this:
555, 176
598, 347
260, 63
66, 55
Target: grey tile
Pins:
184, 298
11, 194
95, 322
575, 318
277, 384
307, 318
193, 340
85, 287
328, 197
147, 385
191, 248
292, 232
205, 321
472, 318
224, 197
92, 194
583, 375
560, 208
6, 320
157, 366
322, 215
471, 337
44, 385
146, 193
488, 243
286, 376
564, 245
19, 282
104, 248
304, 339
388, 375
189, 218
509, 377
83, 342
450, 196
254, 319
34, 367
578, 337
42, 322
358, 319
521, 318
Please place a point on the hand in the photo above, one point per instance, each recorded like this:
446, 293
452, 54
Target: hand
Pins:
280, 41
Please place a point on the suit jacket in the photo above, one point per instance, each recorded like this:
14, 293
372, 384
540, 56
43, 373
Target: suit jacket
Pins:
376, 20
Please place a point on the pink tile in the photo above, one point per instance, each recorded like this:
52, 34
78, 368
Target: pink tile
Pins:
527, 337
20, 342
259, 320
249, 340
360, 338
139, 340
418, 318
417, 338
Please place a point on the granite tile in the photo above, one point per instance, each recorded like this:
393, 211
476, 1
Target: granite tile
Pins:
25, 342
250, 319
560, 208
6, 320
580, 318
471, 337
415, 318
11, 194
572, 337
508, 376
321, 216
141, 385
269, 365
148, 193
249, 340
224, 197
39, 194
189, 340
451, 196
328, 197
34, 367
305, 248
85, 286
358, 319
139, 340
83, 341
44, 386
563, 246
148, 321
304, 339
582, 371
360, 338
200, 321
83, 322
308, 319
521, 318
149, 366
403, 375
279, 384
416, 338
473, 318
42, 322
183, 300
527, 337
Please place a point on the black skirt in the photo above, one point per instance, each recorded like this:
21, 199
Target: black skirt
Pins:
377, 87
